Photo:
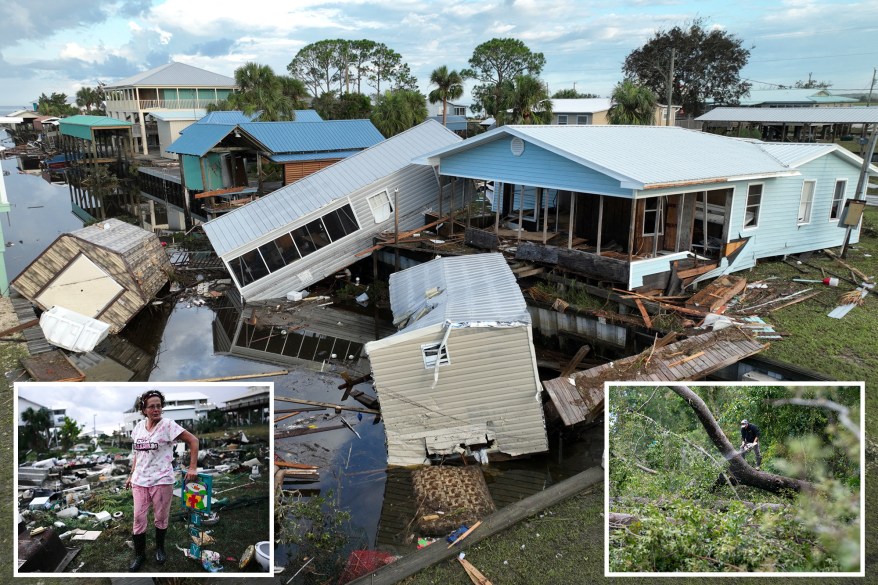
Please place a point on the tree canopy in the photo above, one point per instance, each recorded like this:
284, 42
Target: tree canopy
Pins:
571, 94
275, 97
55, 105
91, 99
495, 64
348, 106
707, 65
529, 101
632, 104
449, 86
69, 433
398, 110
343, 66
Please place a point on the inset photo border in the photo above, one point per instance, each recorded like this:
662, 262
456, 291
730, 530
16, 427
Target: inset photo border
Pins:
96, 463
735, 479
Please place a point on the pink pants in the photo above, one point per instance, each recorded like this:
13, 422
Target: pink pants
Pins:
159, 497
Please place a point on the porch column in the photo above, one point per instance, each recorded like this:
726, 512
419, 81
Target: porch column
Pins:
259, 187
545, 201
655, 225
572, 214
497, 188
451, 207
631, 230
520, 211
600, 222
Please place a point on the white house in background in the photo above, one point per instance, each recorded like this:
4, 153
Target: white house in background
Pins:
57, 418
595, 111
454, 109
170, 123
461, 373
184, 408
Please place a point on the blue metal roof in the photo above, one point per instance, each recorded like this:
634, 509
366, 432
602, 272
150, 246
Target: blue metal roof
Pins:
307, 116
230, 117
324, 136
200, 138
453, 123
285, 158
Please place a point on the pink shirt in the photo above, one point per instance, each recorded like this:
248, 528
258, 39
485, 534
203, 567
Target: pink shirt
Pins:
154, 453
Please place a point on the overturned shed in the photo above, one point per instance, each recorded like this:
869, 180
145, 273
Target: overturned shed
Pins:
301, 233
108, 271
461, 373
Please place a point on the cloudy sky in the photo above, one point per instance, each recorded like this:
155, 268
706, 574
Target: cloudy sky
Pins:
54, 45
102, 405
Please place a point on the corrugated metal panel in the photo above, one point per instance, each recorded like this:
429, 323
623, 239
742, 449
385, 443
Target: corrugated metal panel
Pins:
477, 287
230, 117
284, 206
787, 96
638, 156
453, 123
200, 138
793, 115
307, 116
489, 386
176, 75
323, 136
337, 154
793, 154
80, 126
581, 106
166, 115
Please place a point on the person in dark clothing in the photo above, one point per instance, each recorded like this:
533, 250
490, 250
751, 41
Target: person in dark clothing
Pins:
750, 441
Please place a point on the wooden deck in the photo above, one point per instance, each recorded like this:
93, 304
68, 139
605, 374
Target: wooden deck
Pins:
578, 396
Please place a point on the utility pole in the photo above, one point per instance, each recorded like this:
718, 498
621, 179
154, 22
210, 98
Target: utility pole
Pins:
670, 88
871, 87
862, 184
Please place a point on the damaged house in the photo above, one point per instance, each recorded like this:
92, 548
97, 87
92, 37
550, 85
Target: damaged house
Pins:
108, 271
650, 207
461, 373
306, 231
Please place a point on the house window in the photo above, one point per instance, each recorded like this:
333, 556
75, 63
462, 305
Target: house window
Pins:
562, 119
582, 120
380, 206
459, 111
654, 211
754, 201
434, 351
806, 201
838, 199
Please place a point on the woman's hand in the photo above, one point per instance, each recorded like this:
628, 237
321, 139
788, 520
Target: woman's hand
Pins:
128, 483
192, 474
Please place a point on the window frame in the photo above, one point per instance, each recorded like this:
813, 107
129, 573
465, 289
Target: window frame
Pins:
441, 353
748, 205
660, 209
389, 205
564, 117
805, 219
581, 117
837, 206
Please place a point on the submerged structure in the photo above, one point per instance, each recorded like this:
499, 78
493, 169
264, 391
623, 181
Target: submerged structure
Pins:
461, 373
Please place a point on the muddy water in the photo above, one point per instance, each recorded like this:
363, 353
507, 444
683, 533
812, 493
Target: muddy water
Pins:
39, 213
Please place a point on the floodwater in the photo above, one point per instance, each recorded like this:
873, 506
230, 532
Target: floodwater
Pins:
39, 213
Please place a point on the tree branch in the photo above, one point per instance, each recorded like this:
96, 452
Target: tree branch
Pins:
843, 411
738, 466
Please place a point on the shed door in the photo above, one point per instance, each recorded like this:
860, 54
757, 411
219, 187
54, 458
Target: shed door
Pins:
82, 287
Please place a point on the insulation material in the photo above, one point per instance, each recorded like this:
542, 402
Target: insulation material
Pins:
449, 497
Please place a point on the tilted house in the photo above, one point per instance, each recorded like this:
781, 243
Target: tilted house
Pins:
108, 271
461, 372
303, 232
646, 207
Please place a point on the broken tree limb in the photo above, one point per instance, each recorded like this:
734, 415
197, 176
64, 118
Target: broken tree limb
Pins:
719, 505
843, 411
241, 377
855, 272
620, 520
327, 405
738, 466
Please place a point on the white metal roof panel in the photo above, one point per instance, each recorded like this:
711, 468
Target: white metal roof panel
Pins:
114, 234
581, 105
842, 115
166, 115
287, 204
766, 96
641, 156
473, 288
175, 75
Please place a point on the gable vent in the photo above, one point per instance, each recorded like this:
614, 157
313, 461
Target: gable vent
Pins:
516, 146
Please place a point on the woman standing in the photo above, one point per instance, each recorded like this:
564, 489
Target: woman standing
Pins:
152, 472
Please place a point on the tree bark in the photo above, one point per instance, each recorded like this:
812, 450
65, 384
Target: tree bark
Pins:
737, 465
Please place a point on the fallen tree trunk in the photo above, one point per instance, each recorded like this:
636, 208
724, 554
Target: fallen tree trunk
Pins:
720, 505
619, 520
737, 465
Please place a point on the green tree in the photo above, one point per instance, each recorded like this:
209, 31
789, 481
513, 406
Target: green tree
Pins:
55, 105
572, 94
529, 101
397, 111
496, 62
38, 424
632, 104
449, 86
349, 106
707, 65
91, 99
69, 433
261, 90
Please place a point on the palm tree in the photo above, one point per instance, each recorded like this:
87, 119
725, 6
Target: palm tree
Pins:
260, 90
632, 104
398, 110
37, 427
529, 101
86, 97
449, 86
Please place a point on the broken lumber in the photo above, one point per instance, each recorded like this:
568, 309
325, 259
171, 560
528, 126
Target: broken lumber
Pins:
474, 574
327, 405
402, 235
686, 359
577, 359
286, 416
465, 534
855, 272
21, 327
643, 313
241, 377
289, 465
306, 431
794, 301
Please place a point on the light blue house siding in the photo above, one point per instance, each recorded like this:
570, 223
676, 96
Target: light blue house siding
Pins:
536, 166
778, 231
192, 169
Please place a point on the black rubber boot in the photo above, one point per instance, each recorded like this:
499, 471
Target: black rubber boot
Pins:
139, 552
160, 556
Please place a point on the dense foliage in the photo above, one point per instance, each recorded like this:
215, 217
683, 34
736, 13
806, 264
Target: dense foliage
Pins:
707, 65
688, 518
496, 63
